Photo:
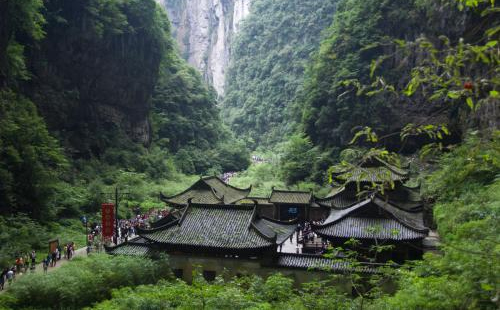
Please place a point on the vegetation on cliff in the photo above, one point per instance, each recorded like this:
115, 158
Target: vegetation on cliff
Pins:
93, 95
269, 56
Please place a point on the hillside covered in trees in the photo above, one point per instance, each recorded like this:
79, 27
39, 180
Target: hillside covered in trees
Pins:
94, 96
269, 57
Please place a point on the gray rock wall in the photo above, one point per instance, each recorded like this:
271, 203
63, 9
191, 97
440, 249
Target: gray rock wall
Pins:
204, 30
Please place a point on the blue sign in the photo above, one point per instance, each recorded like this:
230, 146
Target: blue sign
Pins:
292, 210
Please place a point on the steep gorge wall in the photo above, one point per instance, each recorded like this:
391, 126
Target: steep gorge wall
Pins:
204, 30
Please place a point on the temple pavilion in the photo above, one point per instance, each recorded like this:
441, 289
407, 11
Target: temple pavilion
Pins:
221, 227
360, 210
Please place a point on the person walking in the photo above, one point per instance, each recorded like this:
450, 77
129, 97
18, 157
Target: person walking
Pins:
10, 276
19, 264
54, 258
45, 264
70, 251
33, 260
2, 279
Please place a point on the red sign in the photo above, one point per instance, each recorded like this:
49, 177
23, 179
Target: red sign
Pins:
108, 219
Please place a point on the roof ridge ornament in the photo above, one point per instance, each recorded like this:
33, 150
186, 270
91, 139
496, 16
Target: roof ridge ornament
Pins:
179, 223
254, 214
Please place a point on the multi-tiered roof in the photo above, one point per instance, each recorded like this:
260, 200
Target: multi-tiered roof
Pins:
208, 190
396, 214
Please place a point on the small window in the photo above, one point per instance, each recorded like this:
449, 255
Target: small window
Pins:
178, 273
209, 275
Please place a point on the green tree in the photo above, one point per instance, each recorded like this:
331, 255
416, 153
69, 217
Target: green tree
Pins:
31, 160
19, 21
298, 159
267, 66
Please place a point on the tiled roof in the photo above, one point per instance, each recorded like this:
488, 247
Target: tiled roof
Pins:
208, 190
135, 247
410, 200
250, 200
370, 228
334, 191
340, 200
310, 261
164, 220
291, 197
374, 170
130, 249
345, 223
371, 174
214, 227
413, 220
282, 230
402, 197
230, 193
207, 196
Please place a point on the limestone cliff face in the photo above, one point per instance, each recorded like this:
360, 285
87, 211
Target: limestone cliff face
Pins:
204, 30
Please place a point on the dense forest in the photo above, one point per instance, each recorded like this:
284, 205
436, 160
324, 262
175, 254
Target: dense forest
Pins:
267, 68
94, 95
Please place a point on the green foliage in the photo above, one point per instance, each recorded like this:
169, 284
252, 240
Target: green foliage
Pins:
18, 236
262, 177
184, 108
456, 72
96, 70
21, 234
277, 288
298, 159
84, 281
276, 292
19, 20
360, 44
475, 163
268, 60
30, 160
466, 189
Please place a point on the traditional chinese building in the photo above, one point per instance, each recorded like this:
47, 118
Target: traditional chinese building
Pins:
207, 190
220, 227
375, 207
230, 239
282, 205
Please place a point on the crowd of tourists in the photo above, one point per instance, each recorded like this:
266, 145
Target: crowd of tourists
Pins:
9, 275
27, 262
226, 176
128, 227
23, 263
306, 235
257, 159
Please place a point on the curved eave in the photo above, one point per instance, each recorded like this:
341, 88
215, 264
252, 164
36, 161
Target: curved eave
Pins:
200, 247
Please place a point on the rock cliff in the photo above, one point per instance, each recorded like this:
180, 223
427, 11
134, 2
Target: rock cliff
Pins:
204, 30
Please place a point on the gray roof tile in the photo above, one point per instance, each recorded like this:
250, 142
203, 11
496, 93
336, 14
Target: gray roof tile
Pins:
290, 197
370, 228
310, 261
213, 226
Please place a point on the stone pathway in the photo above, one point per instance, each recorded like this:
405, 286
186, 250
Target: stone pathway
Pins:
291, 246
39, 266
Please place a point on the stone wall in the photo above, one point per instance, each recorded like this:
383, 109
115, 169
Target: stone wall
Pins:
204, 30
232, 267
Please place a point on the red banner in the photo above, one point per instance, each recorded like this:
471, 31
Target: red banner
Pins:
108, 219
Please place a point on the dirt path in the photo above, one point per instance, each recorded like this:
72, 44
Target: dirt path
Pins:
39, 267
